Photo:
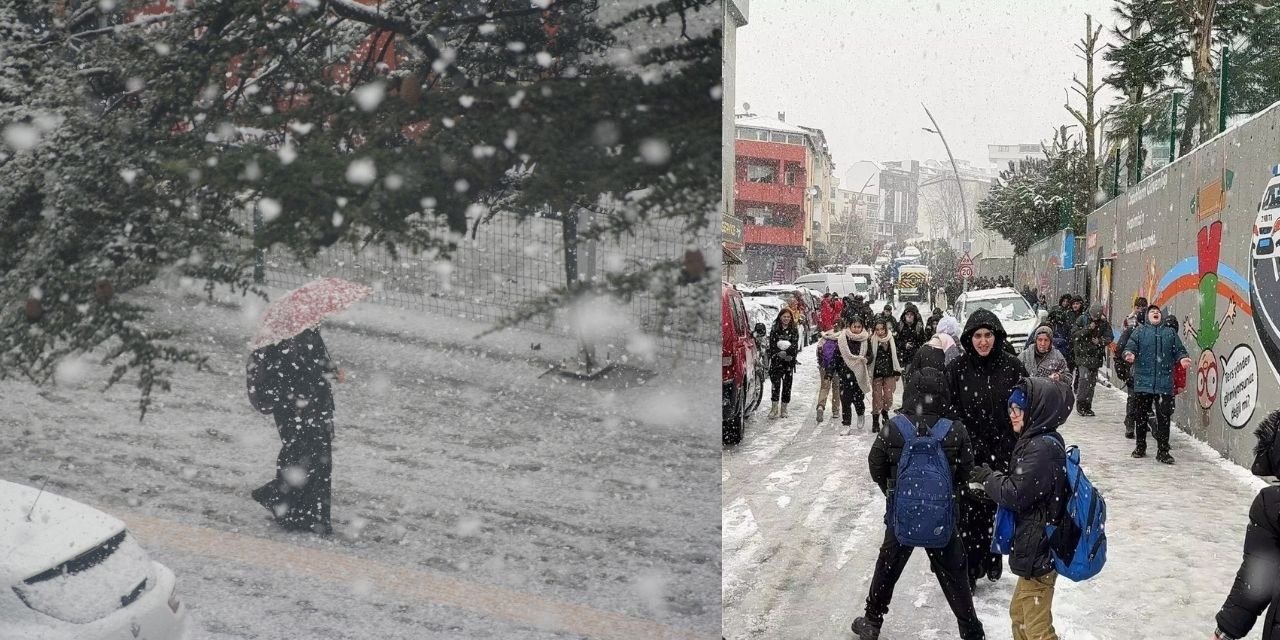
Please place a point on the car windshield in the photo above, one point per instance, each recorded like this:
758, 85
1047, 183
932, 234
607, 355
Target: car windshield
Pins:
1011, 309
93, 585
1272, 199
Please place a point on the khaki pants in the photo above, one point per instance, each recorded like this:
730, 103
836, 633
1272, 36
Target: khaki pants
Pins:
830, 385
1031, 609
882, 394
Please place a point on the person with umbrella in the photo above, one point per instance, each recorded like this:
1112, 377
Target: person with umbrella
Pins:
293, 369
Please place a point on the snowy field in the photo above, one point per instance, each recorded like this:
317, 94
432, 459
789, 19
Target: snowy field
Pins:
803, 522
472, 497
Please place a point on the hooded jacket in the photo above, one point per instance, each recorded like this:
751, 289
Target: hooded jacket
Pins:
1257, 584
980, 388
1035, 488
911, 335
1042, 365
924, 401
1157, 350
1090, 339
303, 368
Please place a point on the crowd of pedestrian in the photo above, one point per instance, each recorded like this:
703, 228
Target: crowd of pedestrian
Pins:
976, 438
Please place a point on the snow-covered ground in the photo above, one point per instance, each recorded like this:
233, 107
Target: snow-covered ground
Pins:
803, 523
473, 496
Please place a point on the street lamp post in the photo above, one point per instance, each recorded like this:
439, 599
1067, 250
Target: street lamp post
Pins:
959, 185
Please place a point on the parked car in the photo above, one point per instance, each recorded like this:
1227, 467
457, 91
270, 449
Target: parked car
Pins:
783, 293
742, 366
71, 571
1018, 318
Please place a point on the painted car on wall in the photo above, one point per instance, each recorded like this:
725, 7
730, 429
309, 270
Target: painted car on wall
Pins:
1264, 226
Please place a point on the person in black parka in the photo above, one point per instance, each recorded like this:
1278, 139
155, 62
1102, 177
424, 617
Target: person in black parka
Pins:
782, 362
911, 334
924, 401
1257, 585
980, 382
299, 496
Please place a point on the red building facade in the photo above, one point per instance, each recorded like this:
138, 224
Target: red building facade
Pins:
771, 181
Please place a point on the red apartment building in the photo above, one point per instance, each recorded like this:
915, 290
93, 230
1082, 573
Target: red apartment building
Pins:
772, 199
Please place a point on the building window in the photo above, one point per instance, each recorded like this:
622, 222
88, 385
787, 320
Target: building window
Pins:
795, 138
778, 137
765, 173
1029, 148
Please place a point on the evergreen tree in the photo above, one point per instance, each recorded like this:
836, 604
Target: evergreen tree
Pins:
139, 145
1024, 203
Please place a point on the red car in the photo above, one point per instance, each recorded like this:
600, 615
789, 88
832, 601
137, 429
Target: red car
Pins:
741, 364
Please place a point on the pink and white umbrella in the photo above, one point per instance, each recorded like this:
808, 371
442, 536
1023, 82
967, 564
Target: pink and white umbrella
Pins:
304, 308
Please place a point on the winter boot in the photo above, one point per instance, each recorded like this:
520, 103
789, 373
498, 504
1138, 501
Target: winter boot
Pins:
884, 418
875, 422
1128, 427
820, 414
866, 628
995, 569
1162, 453
1140, 451
784, 411
773, 411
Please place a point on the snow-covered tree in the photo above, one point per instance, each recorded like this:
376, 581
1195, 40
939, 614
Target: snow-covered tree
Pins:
141, 138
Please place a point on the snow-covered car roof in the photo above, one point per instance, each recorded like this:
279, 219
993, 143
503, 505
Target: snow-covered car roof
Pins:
59, 529
989, 294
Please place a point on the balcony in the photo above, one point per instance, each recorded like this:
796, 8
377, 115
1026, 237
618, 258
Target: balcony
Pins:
784, 236
770, 193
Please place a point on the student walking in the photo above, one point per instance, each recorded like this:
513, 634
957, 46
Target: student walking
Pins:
829, 371
925, 399
855, 375
885, 371
1035, 490
783, 349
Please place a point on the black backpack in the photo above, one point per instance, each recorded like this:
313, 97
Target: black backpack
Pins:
262, 379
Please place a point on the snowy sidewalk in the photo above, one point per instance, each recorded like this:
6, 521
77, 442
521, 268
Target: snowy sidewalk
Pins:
803, 523
453, 458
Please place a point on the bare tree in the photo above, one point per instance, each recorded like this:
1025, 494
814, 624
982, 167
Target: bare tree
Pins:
1089, 119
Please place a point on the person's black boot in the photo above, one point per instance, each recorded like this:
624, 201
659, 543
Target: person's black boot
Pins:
884, 415
995, 569
866, 628
1140, 451
1162, 454
875, 423
1128, 427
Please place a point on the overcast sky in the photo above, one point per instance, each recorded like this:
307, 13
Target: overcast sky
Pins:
991, 71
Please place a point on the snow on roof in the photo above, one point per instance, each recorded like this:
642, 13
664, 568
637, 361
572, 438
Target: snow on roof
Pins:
772, 124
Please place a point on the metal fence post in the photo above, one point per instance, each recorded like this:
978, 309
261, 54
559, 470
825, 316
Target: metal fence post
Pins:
1223, 102
260, 254
1115, 180
1173, 126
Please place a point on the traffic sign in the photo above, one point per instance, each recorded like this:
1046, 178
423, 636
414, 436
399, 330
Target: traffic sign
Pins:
965, 269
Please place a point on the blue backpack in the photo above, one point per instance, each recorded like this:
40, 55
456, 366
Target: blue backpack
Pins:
1079, 544
922, 507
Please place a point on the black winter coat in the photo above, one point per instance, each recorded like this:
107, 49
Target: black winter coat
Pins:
783, 361
301, 373
1036, 487
980, 389
1257, 584
923, 401
910, 337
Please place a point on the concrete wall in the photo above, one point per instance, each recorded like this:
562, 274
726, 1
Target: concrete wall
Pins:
1183, 238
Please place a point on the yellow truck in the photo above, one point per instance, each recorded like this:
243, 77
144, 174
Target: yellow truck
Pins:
913, 282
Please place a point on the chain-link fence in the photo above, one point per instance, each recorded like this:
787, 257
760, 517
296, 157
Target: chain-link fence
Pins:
509, 262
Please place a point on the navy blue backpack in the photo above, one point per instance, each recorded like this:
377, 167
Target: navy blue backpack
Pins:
922, 506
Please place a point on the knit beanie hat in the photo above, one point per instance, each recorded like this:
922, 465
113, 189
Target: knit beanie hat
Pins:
1018, 399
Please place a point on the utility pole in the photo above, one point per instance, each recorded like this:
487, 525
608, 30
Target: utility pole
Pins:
959, 185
